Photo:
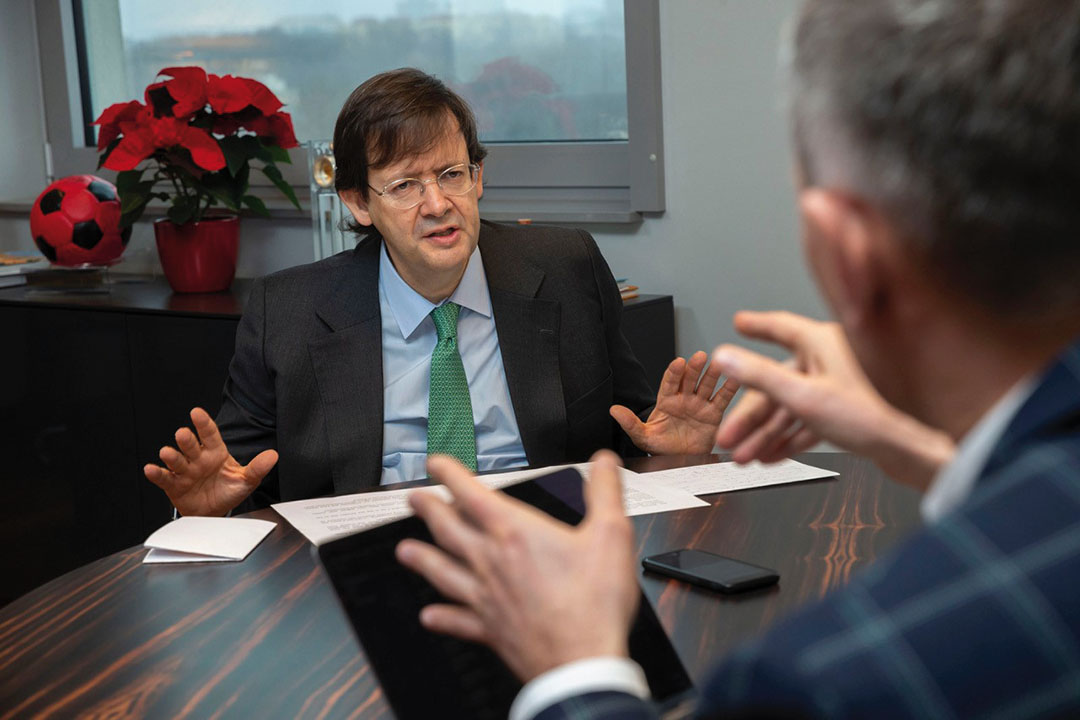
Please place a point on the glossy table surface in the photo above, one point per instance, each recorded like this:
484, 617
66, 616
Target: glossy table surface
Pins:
265, 637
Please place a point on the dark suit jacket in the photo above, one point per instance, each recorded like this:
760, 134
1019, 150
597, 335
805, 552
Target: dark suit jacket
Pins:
306, 377
977, 616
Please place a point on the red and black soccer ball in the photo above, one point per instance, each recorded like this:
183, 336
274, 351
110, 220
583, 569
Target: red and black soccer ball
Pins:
76, 221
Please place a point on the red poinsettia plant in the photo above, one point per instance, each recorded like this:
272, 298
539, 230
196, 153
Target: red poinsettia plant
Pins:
197, 135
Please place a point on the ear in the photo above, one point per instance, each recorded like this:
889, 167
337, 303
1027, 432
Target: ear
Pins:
843, 242
480, 181
357, 206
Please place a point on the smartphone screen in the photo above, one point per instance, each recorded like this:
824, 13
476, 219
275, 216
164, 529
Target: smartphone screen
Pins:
710, 570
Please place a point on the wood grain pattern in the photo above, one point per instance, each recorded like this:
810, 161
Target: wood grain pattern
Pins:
266, 638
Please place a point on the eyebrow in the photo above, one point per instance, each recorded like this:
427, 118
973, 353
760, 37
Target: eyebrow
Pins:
413, 171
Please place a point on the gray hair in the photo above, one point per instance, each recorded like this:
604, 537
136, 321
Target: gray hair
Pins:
960, 119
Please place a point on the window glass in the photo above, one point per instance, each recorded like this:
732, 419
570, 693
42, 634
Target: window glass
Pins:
532, 71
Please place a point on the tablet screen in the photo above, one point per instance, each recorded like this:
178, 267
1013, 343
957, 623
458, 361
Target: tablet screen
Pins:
426, 675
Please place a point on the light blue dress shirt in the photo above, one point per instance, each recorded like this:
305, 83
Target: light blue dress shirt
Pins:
408, 338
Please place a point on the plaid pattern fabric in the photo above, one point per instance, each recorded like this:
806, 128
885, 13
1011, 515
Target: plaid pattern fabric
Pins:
977, 616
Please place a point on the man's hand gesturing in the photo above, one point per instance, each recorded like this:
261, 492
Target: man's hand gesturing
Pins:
200, 476
687, 412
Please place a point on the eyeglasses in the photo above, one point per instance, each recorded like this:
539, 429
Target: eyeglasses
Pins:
409, 192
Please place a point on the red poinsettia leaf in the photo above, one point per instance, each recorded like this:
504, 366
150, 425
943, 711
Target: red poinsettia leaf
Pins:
228, 94
188, 88
261, 97
110, 120
276, 129
258, 125
281, 128
205, 151
158, 98
136, 145
119, 112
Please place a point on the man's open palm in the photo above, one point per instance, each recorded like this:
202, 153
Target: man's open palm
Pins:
200, 476
687, 411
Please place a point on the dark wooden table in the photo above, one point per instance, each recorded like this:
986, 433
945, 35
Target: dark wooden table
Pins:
265, 638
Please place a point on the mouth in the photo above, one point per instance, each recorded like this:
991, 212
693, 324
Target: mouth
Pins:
446, 235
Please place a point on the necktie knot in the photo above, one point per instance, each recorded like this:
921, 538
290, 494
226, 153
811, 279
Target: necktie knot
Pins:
446, 317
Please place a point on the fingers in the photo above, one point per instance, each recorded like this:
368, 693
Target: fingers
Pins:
174, 460
187, 443
259, 466
447, 525
447, 575
753, 409
630, 423
455, 621
780, 435
781, 327
726, 392
158, 475
800, 441
603, 492
692, 372
777, 380
764, 437
488, 509
708, 382
207, 429
669, 384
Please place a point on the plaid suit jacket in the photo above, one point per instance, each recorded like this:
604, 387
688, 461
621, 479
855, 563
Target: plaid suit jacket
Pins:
977, 616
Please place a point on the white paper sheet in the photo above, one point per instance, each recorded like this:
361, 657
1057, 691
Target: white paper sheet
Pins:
324, 519
729, 476
206, 539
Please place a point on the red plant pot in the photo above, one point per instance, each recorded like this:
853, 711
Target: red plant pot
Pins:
199, 256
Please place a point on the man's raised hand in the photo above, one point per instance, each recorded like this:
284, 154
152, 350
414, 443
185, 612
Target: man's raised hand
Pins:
821, 393
687, 410
200, 476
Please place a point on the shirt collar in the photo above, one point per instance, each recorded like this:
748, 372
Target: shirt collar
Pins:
410, 307
954, 482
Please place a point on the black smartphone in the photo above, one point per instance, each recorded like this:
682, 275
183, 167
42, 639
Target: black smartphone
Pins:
710, 570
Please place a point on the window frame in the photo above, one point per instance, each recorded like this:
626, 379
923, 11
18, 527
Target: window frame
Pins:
610, 181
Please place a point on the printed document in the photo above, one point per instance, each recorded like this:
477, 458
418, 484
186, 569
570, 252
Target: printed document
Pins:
324, 519
729, 476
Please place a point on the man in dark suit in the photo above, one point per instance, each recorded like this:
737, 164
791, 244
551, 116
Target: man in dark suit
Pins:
439, 333
939, 165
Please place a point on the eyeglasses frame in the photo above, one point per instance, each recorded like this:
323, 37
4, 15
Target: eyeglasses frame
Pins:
474, 173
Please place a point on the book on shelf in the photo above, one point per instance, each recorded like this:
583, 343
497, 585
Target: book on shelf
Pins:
31, 269
626, 290
17, 265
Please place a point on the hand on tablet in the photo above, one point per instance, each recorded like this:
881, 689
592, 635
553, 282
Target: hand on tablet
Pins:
539, 592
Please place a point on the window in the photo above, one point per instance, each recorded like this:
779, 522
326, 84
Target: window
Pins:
569, 137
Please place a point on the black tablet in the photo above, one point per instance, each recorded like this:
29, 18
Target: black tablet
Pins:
426, 675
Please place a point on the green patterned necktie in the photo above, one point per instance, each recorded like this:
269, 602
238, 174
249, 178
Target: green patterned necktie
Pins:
450, 417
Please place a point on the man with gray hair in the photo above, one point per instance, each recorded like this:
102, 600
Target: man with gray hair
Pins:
938, 152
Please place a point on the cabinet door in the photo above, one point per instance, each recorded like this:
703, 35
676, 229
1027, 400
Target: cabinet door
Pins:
649, 327
178, 363
68, 484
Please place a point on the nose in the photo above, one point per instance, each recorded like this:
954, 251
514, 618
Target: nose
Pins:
433, 201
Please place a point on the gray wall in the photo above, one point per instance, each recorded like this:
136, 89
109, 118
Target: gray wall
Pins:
728, 239
22, 162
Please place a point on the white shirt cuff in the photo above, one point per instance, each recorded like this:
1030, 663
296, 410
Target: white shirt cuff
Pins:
597, 674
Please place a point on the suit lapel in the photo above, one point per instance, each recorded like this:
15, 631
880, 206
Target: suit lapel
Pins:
528, 329
1054, 404
347, 364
